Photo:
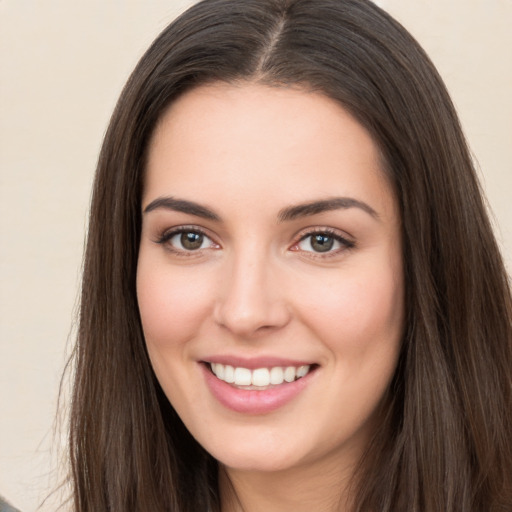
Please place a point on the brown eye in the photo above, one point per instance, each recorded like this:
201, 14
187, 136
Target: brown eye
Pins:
322, 242
191, 240
186, 240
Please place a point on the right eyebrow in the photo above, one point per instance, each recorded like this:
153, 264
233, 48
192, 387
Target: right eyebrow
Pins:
325, 205
181, 205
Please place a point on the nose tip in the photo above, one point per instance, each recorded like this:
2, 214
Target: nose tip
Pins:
246, 321
251, 302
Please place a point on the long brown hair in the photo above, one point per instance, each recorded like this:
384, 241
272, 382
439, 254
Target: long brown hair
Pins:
445, 442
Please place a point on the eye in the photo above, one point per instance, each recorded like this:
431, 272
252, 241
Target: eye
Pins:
323, 242
189, 241
186, 240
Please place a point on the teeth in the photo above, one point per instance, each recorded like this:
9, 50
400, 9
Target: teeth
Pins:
242, 377
302, 371
229, 373
261, 377
289, 374
276, 375
221, 372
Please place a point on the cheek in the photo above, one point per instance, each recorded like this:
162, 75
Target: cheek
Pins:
172, 304
375, 307
359, 318
358, 310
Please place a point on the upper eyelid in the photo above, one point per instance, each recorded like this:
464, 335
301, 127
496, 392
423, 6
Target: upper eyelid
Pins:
346, 241
305, 232
165, 235
180, 229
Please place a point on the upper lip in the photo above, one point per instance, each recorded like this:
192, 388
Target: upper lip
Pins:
253, 363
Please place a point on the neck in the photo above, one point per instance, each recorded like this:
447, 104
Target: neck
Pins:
300, 489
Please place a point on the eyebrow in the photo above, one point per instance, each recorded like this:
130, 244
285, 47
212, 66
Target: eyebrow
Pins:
182, 205
286, 214
316, 207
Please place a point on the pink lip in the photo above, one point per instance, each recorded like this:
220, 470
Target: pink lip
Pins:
254, 401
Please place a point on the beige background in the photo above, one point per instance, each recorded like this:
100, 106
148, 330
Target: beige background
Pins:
62, 66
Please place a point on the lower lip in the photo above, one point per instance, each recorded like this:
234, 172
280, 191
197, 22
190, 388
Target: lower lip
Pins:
252, 401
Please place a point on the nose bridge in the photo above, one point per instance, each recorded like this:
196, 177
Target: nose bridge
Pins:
251, 299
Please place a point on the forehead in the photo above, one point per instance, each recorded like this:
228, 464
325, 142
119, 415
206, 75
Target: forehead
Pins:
249, 140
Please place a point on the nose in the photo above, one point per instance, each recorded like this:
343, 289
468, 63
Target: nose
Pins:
251, 297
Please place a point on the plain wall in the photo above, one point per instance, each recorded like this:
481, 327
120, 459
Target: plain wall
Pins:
62, 66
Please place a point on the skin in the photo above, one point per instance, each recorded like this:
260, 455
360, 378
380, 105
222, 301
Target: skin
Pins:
257, 286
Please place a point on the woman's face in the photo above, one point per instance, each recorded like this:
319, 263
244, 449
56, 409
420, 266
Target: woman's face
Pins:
270, 256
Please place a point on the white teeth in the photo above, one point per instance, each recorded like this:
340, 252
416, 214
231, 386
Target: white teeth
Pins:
289, 374
220, 371
276, 375
229, 374
302, 371
243, 377
261, 377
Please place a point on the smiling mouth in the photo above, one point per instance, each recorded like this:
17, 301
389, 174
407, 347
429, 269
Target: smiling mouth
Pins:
259, 378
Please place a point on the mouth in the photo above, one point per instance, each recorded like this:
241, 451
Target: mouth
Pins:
259, 379
258, 386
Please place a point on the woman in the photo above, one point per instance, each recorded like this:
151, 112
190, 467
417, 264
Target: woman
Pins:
292, 297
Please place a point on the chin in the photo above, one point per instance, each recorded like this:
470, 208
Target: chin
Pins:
258, 463
265, 454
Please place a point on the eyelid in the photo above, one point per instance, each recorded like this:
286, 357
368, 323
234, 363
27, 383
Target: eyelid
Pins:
167, 234
347, 241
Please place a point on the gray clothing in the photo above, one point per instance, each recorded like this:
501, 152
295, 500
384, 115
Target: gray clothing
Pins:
5, 507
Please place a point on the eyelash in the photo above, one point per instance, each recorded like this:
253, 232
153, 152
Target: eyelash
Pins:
346, 244
330, 233
167, 236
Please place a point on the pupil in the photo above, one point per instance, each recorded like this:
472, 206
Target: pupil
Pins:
191, 241
322, 243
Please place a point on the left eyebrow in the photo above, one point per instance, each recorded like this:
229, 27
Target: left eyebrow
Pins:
325, 205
